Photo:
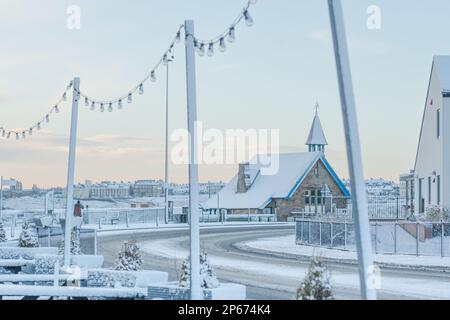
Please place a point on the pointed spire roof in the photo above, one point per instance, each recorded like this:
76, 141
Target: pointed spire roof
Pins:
316, 135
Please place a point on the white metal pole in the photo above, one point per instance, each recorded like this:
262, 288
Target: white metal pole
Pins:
196, 292
358, 188
71, 171
1, 197
166, 157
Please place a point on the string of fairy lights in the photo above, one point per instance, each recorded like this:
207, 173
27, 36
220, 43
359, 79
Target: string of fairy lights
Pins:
202, 47
22, 133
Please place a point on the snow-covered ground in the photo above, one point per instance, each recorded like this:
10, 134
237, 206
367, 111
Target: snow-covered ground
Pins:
286, 245
428, 288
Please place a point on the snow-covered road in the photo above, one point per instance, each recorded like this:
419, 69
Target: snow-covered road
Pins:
276, 277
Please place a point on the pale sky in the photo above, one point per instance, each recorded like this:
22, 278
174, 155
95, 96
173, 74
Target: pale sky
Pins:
270, 78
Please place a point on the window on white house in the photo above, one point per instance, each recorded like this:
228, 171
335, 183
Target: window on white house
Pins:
438, 123
429, 190
421, 199
438, 184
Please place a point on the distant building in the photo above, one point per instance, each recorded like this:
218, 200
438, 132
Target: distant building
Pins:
13, 184
109, 191
81, 192
148, 188
180, 189
211, 188
432, 165
407, 189
302, 183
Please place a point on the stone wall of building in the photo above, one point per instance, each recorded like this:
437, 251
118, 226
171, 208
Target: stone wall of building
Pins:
316, 179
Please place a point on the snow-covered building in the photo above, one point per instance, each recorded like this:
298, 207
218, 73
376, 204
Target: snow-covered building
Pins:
298, 185
432, 166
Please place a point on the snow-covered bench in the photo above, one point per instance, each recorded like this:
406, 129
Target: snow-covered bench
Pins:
71, 292
15, 263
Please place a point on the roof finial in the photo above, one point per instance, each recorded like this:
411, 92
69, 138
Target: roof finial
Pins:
317, 106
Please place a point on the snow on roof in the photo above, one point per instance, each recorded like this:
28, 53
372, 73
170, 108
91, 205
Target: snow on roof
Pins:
292, 167
442, 67
316, 135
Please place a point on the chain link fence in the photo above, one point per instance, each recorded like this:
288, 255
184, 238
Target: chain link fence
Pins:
399, 238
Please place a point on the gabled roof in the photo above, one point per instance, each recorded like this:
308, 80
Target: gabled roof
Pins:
293, 169
316, 135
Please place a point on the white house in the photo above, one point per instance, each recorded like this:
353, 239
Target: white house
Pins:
432, 166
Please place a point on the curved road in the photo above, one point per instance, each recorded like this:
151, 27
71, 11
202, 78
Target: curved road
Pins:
220, 243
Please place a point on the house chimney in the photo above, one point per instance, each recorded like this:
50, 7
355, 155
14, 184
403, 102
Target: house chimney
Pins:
241, 184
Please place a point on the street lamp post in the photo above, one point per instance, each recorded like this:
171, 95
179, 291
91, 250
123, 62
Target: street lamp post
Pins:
166, 156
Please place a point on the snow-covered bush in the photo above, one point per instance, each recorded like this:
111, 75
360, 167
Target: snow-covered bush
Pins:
45, 264
435, 214
207, 275
130, 258
75, 246
2, 232
110, 279
28, 237
317, 284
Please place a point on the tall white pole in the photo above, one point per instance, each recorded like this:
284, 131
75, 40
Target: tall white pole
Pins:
166, 156
196, 292
358, 188
1, 197
71, 171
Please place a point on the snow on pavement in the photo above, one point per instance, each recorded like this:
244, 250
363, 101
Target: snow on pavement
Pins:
428, 288
286, 244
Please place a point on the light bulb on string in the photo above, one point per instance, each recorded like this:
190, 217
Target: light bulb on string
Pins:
8, 135
130, 98
178, 37
165, 60
47, 119
93, 106
222, 45
23, 135
3, 133
248, 18
38, 126
110, 107
119, 104
232, 35
102, 108
153, 76
56, 108
141, 89
201, 50
17, 136
211, 50
86, 102
30, 131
